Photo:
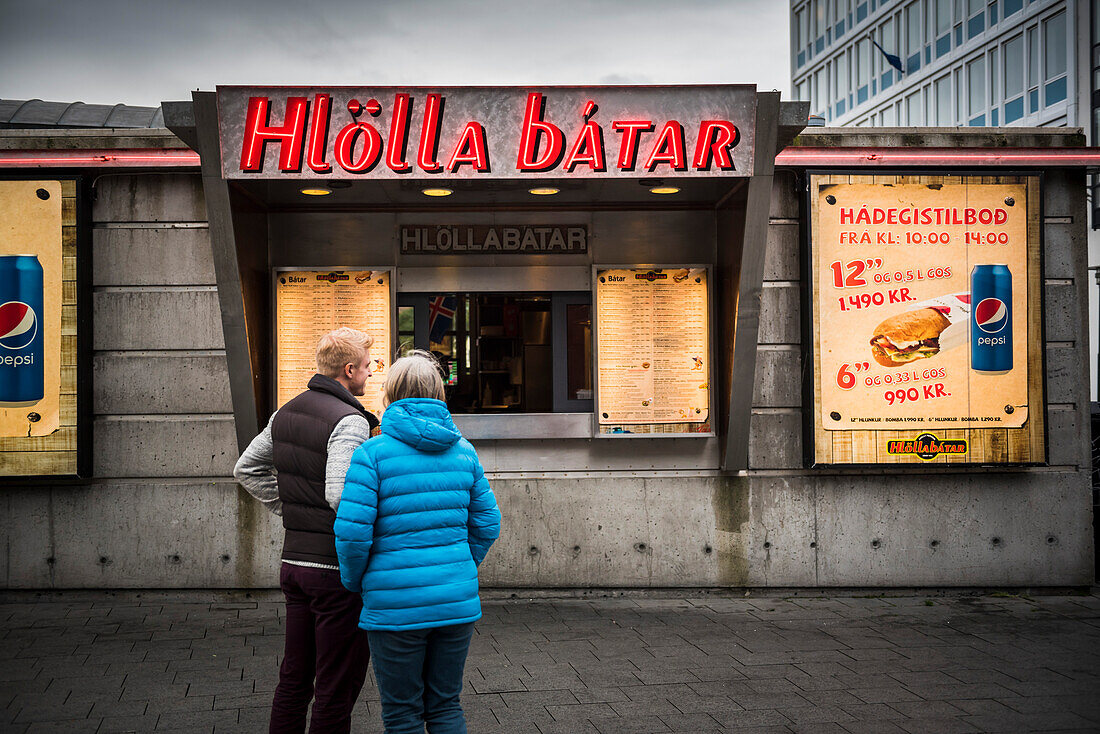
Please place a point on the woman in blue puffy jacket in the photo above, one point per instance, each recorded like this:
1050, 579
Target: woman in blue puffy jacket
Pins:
416, 519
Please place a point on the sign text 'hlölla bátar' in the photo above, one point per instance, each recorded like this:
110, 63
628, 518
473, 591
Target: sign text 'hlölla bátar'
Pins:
487, 132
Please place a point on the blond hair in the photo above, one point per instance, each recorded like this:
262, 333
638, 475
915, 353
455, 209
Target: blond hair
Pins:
340, 348
416, 375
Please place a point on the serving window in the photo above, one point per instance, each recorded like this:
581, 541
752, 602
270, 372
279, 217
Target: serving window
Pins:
504, 352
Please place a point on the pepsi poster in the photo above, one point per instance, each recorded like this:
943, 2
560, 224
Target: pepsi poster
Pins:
921, 294
30, 315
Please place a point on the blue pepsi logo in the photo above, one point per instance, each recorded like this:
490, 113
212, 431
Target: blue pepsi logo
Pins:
18, 325
991, 315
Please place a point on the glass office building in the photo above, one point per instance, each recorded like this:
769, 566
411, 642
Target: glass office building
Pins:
978, 63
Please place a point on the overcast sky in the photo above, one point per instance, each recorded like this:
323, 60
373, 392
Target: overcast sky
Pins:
141, 52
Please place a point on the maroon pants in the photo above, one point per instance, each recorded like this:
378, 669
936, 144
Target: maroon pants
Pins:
326, 653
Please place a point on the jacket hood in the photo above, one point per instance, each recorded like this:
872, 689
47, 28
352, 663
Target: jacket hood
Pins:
423, 423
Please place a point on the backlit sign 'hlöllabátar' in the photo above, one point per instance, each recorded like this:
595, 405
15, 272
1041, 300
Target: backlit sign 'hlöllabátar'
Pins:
486, 132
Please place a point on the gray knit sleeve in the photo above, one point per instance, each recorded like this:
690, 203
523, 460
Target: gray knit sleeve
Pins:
255, 470
349, 434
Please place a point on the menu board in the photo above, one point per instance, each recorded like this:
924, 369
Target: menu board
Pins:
652, 346
922, 305
309, 304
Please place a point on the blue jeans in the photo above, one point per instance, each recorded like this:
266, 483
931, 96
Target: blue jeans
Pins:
419, 675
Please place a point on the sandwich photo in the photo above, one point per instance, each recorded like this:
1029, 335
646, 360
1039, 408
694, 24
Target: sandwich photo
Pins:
908, 336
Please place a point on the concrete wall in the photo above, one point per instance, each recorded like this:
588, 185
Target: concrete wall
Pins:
163, 511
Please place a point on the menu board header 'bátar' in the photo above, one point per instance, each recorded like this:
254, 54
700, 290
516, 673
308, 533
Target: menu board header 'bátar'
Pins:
486, 132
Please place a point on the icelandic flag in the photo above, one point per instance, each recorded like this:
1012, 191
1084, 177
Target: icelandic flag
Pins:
441, 314
894, 61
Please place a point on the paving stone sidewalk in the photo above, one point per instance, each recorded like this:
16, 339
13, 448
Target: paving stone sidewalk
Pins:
207, 661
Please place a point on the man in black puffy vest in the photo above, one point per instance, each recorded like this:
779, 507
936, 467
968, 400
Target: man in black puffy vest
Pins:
296, 467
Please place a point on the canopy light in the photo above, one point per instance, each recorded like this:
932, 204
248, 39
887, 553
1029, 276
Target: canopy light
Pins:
543, 191
316, 191
664, 190
437, 192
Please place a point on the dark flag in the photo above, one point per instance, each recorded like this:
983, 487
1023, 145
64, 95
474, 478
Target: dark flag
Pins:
894, 61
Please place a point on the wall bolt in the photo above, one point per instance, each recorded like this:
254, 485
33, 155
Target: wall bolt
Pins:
42, 194
767, 544
876, 543
1051, 540
834, 415
34, 417
533, 551
813, 543
1009, 201
830, 199
1009, 410
708, 549
640, 547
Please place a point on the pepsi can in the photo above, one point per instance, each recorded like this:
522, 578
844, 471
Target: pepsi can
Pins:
22, 373
991, 319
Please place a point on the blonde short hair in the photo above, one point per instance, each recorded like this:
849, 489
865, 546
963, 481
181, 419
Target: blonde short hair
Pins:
341, 347
416, 375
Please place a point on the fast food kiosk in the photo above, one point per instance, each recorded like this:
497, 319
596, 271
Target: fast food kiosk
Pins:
585, 262
573, 256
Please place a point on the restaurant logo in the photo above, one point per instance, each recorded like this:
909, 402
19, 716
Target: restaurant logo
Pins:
926, 446
651, 276
502, 131
333, 277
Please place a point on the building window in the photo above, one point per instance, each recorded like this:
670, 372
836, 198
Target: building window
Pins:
840, 83
913, 37
914, 109
889, 42
1032, 70
944, 118
1014, 79
802, 35
976, 13
863, 70
976, 97
819, 91
1054, 61
944, 17
1013, 6
819, 25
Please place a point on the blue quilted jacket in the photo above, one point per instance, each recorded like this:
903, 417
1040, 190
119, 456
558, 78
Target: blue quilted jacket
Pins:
416, 518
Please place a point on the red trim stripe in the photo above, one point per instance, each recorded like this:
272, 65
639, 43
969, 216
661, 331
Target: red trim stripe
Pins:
795, 157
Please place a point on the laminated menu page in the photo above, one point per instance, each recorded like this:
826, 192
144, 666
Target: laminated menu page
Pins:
652, 346
309, 304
